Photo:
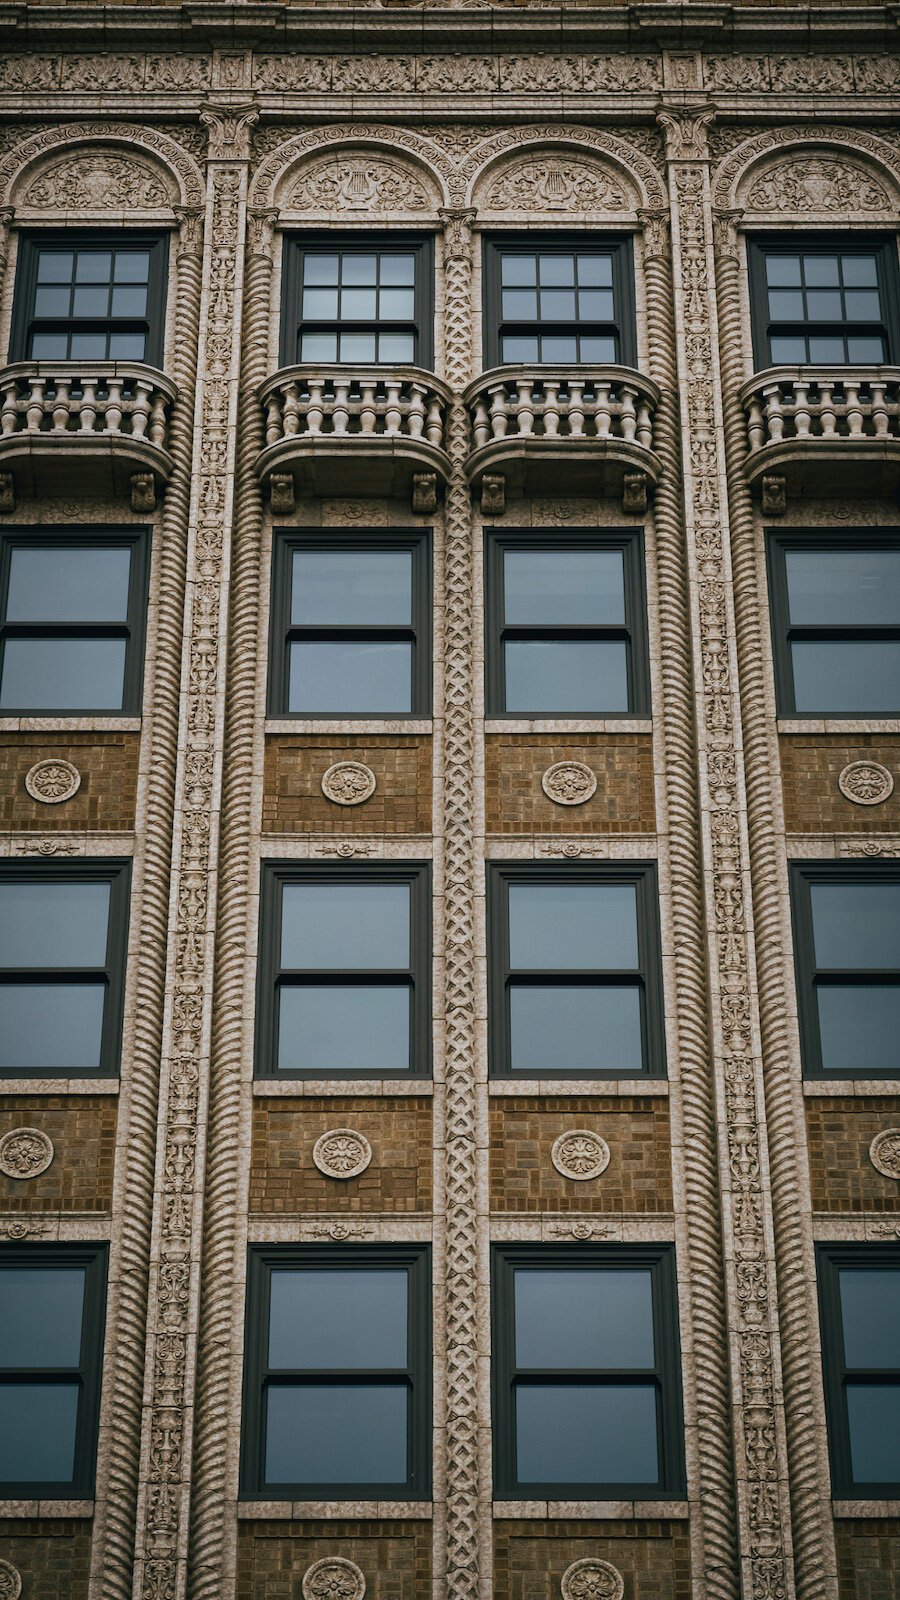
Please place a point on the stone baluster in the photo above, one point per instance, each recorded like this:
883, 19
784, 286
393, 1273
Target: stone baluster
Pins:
827, 415
140, 408
756, 428
291, 414
34, 414
87, 416
9, 417
627, 412
434, 428
158, 420
415, 417
525, 406
62, 386
879, 408
315, 410
393, 414
575, 412
802, 417
499, 414
774, 414
368, 406
114, 405
551, 407
340, 411
274, 429
602, 409
854, 408
644, 425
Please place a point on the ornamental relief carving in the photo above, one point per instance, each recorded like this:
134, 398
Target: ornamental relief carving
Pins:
168, 161
51, 782
10, 1581
558, 184
335, 1578
99, 182
884, 1153
580, 1154
25, 1153
592, 1579
348, 783
342, 1153
866, 783
557, 143
362, 183
844, 146
569, 783
821, 184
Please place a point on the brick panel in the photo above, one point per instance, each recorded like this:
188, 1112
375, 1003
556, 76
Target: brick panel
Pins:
868, 1555
514, 764
54, 1557
810, 767
108, 763
83, 1131
398, 1178
523, 1177
293, 801
395, 1557
530, 1557
840, 1132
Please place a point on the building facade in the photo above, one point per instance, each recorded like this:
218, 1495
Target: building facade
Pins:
448, 494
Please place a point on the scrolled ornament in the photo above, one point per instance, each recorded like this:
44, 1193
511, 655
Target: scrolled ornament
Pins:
348, 783
580, 1154
342, 1153
866, 783
52, 781
884, 1153
592, 1579
10, 1581
569, 783
335, 1578
25, 1153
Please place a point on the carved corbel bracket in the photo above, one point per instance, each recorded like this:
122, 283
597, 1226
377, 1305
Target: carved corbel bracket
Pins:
424, 493
655, 228
774, 494
7, 492
726, 239
457, 222
143, 491
634, 492
493, 494
190, 230
261, 222
282, 496
229, 130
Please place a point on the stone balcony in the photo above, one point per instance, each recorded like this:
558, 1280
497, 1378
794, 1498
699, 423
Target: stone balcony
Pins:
343, 430
72, 426
822, 431
562, 430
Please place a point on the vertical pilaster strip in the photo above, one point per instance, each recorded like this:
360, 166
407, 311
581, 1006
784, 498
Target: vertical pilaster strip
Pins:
813, 1527
461, 1221
764, 1532
164, 1489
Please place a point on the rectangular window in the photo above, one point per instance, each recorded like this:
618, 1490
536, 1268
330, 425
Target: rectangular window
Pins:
63, 934
847, 951
351, 633
52, 1304
859, 1300
823, 302
587, 1400
90, 297
359, 302
72, 616
566, 624
559, 301
575, 973
344, 980
337, 1373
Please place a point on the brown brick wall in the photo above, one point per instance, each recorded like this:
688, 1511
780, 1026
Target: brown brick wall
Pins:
398, 1178
514, 764
810, 767
395, 1557
83, 1131
868, 1553
108, 763
840, 1132
530, 1557
523, 1177
294, 802
53, 1557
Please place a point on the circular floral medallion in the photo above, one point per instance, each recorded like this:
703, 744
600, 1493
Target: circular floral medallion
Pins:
333, 1579
348, 783
592, 1580
342, 1153
866, 783
569, 783
25, 1153
580, 1154
51, 782
10, 1581
884, 1153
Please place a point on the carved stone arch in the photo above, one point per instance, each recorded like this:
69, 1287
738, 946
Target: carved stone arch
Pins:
121, 166
606, 158
349, 170
816, 173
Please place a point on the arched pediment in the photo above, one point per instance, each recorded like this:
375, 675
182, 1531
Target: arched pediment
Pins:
97, 167
348, 171
554, 183
817, 174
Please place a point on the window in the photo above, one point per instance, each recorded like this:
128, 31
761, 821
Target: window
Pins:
344, 971
847, 940
859, 1301
823, 302
90, 297
564, 301
338, 1372
359, 302
72, 610
52, 1302
63, 932
575, 974
586, 1366
351, 630
566, 625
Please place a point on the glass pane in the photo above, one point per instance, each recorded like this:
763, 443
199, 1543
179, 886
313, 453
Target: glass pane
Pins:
782, 269
49, 346
320, 303
63, 674
844, 586
595, 270
568, 586
785, 305
824, 305
585, 1433
55, 266
821, 269
396, 305
518, 269
577, 1029
859, 1027
51, 1026
584, 1319
40, 1316
520, 304
320, 268
558, 305
88, 347
870, 1313
53, 302
351, 587
358, 304
335, 1319
131, 266
862, 305
597, 349
847, 675
357, 347
867, 349
53, 924
787, 350
859, 269
93, 266
873, 1411
129, 302
318, 347
359, 269
38, 1422
557, 269
336, 1028
126, 346
856, 924
351, 677
518, 348
91, 302
397, 347
561, 349
398, 269
333, 1433
566, 677
826, 350
582, 926
595, 305
334, 926
57, 584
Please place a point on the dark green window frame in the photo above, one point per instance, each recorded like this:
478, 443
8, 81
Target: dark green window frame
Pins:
274, 876
283, 632
263, 1259
808, 976
132, 630
825, 244
94, 1259
633, 631
117, 873
24, 323
647, 978
622, 328
830, 1259
422, 326
666, 1375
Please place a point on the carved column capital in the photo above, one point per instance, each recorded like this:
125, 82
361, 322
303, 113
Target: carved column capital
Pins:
457, 222
190, 230
261, 224
655, 225
229, 130
726, 239
685, 132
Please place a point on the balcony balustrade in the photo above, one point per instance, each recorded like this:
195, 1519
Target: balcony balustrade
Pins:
823, 431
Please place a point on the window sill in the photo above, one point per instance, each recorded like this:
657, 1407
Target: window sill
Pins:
59, 1085
838, 725
813, 1087
46, 1508
84, 724
601, 1510
568, 725
290, 1510
371, 725
865, 1508
578, 1086
334, 1088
